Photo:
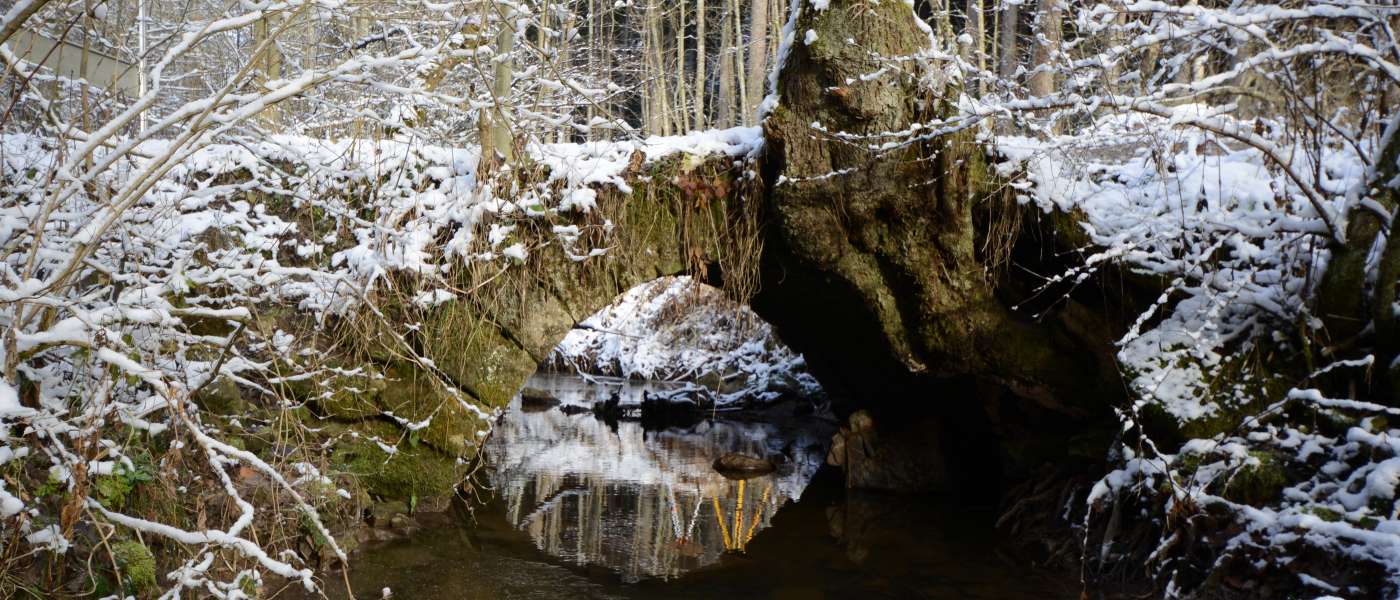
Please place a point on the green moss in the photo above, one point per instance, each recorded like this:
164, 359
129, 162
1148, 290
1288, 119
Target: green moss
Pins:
415, 396
221, 396
137, 564
248, 586
411, 472
52, 486
1257, 485
476, 354
1326, 514
1189, 463
308, 527
353, 396
1378, 424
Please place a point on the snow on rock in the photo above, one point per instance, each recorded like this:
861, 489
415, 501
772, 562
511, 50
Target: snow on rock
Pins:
675, 328
1207, 214
593, 163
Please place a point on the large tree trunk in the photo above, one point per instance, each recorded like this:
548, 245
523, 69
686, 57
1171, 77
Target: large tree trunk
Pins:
894, 245
1351, 316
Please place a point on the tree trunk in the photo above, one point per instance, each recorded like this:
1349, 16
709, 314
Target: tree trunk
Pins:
1049, 26
660, 120
739, 72
1187, 72
724, 115
1007, 49
497, 145
564, 64
977, 50
681, 114
269, 63
700, 115
1111, 73
1347, 311
758, 56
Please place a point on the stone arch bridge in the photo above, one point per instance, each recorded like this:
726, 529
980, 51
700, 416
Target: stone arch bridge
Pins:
891, 271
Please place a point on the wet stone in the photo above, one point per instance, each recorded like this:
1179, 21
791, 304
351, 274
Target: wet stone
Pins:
739, 466
534, 400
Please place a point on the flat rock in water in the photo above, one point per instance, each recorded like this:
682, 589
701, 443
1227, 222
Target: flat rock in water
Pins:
740, 466
533, 401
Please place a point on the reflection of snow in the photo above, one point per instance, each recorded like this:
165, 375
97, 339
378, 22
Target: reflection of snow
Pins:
568, 391
646, 503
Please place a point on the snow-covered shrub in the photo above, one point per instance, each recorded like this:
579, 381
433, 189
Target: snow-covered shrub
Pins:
1213, 148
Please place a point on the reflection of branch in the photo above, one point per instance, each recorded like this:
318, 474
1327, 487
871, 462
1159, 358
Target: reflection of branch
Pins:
753, 526
548, 503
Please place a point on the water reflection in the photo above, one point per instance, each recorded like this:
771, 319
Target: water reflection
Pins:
646, 504
575, 391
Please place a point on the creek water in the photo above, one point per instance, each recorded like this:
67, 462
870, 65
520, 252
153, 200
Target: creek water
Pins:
583, 508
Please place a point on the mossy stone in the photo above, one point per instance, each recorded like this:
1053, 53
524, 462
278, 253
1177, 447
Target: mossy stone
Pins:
221, 396
137, 564
413, 470
1259, 484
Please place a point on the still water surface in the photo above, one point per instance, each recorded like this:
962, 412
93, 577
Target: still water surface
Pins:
585, 509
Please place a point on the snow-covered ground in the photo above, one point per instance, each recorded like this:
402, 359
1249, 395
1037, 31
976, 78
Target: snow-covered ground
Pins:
678, 329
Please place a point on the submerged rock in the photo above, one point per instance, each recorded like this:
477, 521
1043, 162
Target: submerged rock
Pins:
741, 466
534, 400
903, 459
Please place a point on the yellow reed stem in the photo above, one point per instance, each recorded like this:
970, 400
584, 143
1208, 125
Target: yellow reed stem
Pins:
738, 517
753, 526
719, 517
